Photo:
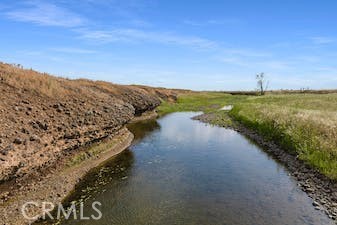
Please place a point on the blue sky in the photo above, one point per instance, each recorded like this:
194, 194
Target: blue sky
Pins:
201, 45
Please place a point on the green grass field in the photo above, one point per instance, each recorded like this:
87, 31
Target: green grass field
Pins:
303, 124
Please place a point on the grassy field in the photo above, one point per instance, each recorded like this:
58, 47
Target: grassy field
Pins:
303, 124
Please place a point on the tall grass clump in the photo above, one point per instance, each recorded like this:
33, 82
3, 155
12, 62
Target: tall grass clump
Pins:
310, 134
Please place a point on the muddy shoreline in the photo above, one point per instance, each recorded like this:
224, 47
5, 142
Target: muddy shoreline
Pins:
321, 189
56, 183
55, 186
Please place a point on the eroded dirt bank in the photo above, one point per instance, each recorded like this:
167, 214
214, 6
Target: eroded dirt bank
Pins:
56, 184
45, 119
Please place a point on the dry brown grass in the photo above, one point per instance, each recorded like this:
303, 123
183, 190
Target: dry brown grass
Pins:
57, 87
31, 80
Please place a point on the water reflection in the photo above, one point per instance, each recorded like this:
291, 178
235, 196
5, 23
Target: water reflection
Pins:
189, 173
143, 128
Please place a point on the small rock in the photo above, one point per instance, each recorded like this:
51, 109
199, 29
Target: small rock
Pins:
4, 151
89, 113
25, 131
18, 141
322, 201
34, 125
309, 190
315, 204
56, 106
41, 125
7, 149
75, 134
4, 195
34, 138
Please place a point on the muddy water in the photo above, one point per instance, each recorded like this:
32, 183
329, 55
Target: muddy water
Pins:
181, 171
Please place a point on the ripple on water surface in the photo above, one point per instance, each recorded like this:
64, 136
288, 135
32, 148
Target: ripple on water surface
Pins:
180, 171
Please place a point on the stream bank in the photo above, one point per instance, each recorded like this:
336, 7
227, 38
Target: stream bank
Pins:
182, 171
46, 120
321, 189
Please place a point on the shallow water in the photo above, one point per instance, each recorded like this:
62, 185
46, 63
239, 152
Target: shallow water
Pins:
181, 171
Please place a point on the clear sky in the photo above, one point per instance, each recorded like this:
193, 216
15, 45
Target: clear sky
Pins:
213, 45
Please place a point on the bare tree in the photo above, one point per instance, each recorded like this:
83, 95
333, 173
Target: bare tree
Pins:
262, 83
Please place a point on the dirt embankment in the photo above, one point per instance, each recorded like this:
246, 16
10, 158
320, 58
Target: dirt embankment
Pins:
44, 117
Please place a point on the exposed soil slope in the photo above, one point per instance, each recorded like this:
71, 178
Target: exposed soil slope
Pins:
43, 117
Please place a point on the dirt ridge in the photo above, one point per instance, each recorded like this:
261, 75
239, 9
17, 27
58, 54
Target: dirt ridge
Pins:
44, 117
